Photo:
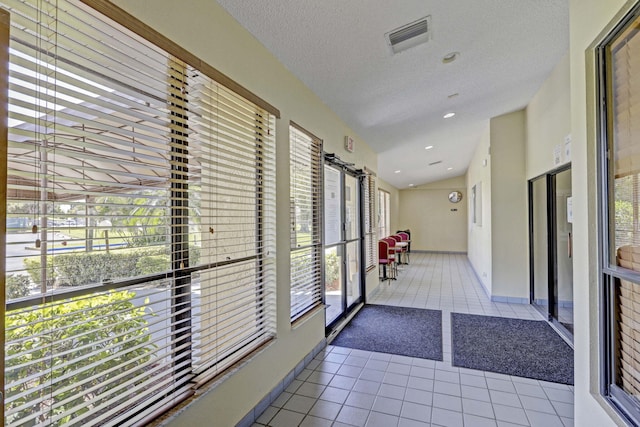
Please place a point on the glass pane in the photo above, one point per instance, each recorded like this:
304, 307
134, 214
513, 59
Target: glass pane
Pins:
332, 206
352, 207
624, 163
540, 246
353, 272
110, 347
564, 249
627, 336
333, 282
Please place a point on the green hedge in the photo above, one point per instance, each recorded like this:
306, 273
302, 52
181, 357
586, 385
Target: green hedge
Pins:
83, 268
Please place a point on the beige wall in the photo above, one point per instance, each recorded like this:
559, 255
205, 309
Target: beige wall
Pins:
548, 124
549, 121
509, 240
435, 223
205, 29
479, 234
498, 244
589, 21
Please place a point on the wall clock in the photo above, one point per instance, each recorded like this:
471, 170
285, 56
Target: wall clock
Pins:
455, 196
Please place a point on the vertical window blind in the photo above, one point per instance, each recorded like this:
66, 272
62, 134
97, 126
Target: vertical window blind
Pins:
369, 220
305, 152
141, 207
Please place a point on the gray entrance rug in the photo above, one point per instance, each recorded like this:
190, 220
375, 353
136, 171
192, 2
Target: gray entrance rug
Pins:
524, 348
412, 332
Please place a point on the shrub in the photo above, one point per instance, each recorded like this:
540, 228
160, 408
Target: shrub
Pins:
332, 269
83, 268
18, 286
77, 269
32, 265
92, 348
153, 264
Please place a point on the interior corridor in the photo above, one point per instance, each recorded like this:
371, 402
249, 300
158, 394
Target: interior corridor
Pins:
345, 387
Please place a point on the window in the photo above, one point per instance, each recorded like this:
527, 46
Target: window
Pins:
384, 222
619, 58
305, 152
370, 241
140, 199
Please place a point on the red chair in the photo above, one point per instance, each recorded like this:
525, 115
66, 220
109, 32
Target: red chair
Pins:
401, 247
386, 258
405, 238
394, 253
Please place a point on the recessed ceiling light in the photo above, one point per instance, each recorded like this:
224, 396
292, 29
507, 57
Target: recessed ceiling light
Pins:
449, 115
450, 57
410, 185
428, 147
398, 171
449, 169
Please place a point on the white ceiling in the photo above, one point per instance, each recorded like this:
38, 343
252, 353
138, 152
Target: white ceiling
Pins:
396, 102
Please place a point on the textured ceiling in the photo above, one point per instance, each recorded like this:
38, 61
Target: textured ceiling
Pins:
396, 102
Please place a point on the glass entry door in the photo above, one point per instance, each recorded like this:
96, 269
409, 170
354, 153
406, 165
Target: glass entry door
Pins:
562, 310
551, 247
342, 240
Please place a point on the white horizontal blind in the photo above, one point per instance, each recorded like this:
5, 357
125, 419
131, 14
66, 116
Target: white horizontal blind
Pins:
140, 225
384, 227
306, 222
369, 221
232, 180
624, 175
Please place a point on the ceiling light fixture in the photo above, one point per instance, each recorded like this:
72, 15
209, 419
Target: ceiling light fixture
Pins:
449, 169
398, 171
428, 147
450, 57
449, 115
410, 185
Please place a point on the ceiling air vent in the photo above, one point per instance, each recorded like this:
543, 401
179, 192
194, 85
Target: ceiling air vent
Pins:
435, 163
409, 35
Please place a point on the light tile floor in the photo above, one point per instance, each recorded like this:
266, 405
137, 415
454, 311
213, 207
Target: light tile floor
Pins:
345, 387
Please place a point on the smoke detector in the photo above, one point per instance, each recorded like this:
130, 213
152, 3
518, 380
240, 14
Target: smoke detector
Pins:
409, 35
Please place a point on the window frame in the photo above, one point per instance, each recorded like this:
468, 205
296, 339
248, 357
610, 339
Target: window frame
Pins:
611, 275
5, 26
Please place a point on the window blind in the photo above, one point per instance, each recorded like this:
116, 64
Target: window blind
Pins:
384, 226
369, 220
140, 222
624, 170
306, 221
